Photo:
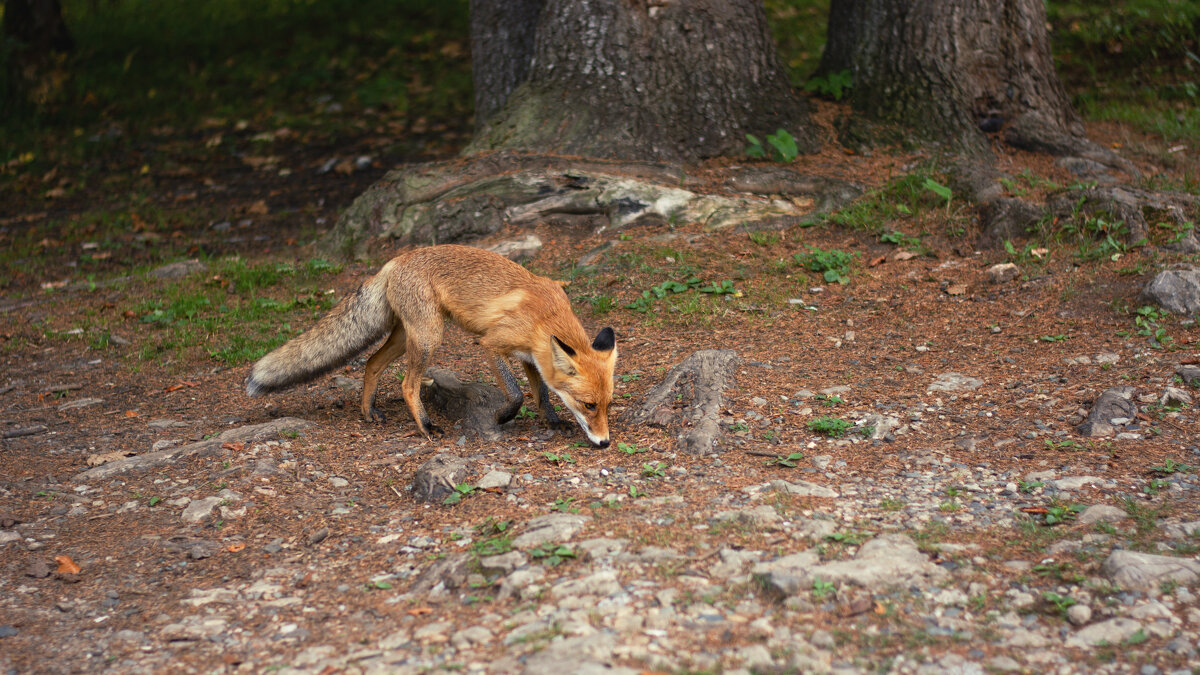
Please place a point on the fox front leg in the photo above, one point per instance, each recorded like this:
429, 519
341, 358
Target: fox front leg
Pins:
542, 392
513, 389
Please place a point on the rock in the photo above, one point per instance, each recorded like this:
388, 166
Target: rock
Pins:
1112, 632
8, 535
699, 381
585, 655
799, 488
433, 633
516, 583
178, 269
200, 510
504, 563
1101, 513
1070, 483
1146, 571
1189, 374
1114, 403
886, 560
495, 480
205, 448
1003, 272
1182, 530
881, 426
7, 631
1079, 614
1175, 397
518, 250
79, 403
38, 570
552, 528
954, 382
1177, 291
759, 518
603, 584
1006, 218
600, 548
468, 637
443, 576
436, 478
481, 408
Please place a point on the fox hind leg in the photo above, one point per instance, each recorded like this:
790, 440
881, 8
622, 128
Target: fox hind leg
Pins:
379, 361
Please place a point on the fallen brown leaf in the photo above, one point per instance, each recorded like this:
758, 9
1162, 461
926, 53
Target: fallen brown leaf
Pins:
956, 289
237, 446
877, 261
418, 611
66, 565
234, 548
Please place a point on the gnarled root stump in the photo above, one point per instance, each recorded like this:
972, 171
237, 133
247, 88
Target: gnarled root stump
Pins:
700, 381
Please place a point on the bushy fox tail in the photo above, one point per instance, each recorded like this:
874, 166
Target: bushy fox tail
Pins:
349, 328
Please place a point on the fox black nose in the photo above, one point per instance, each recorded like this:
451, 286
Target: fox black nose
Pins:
602, 444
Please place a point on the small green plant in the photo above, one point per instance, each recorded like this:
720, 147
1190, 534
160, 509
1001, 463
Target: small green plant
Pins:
558, 458
846, 538
461, 490
1027, 486
154, 500
785, 460
526, 414
833, 85
550, 555
1061, 603
1058, 513
781, 147
830, 400
565, 505
629, 448
829, 426
891, 504
834, 265
378, 586
1155, 486
654, 470
940, 190
1062, 445
1170, 466
1061, 337
901, 239
821, 589
764, 238
723, 288
1148, 323
738, 427
635, 492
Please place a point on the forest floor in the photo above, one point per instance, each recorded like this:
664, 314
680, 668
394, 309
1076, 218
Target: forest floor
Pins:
954, 540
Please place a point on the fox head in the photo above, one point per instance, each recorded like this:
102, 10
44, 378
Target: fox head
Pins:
583, 379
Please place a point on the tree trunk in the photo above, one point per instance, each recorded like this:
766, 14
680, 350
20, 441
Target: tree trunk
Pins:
502, 33
954, 71
672, 80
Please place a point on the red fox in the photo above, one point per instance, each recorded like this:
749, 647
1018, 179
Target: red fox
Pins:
515, 313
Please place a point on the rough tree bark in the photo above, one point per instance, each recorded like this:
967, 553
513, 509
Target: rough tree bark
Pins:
953, 72
674, 80
502, 34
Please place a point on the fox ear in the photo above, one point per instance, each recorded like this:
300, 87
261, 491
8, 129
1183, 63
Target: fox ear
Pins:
562, 355
605, 340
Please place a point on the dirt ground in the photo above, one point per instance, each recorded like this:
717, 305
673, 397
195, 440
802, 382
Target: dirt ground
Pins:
322, 521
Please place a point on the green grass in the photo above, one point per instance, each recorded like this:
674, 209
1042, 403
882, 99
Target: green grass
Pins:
237, 314
1133, 61
139, 67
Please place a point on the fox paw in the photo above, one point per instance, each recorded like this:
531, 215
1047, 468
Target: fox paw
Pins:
376, 415
432, 430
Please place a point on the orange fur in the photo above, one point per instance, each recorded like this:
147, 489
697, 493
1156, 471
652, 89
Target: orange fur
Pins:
515, 313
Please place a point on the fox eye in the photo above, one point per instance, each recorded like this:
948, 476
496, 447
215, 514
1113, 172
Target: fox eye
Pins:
589, 406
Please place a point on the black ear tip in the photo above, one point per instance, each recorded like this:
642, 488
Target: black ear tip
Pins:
605, 340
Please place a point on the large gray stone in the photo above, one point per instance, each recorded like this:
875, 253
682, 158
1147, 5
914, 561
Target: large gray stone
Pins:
887, 560
1146, 571
1176, 291
553, 528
